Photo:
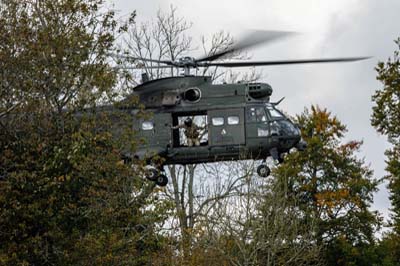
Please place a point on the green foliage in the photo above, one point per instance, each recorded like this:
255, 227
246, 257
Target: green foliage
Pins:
333, 185
386, 112
386, 120
66, 197
393, 168
72, 203
388, 250
54, 50
343, 252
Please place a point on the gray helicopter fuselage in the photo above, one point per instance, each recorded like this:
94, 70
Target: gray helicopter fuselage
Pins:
237, 121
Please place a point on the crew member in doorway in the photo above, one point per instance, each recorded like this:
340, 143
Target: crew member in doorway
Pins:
192, 132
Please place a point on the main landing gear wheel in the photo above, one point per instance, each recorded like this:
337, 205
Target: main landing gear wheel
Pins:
155, 175
152, 174
161, 180
263, 170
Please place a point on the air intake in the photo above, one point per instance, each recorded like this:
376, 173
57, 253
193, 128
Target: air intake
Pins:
259, 90
192, 95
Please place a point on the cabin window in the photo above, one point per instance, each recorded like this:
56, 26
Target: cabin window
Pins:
218, 121
261, 132
233, 120
147, 125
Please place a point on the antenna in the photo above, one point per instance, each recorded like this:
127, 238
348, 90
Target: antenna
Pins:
145, 77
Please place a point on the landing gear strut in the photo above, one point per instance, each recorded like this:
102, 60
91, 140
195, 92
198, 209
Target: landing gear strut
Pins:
155, 175
276, 155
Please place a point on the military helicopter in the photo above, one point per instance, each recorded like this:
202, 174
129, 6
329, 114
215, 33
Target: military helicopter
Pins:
235, 121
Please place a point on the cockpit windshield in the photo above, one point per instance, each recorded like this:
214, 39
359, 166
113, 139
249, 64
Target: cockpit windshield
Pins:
274, 112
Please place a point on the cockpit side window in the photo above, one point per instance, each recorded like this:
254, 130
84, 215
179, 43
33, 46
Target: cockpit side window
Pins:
256, 114
274, 113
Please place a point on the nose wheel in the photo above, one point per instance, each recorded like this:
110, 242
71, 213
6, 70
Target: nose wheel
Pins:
155, 175
263, 170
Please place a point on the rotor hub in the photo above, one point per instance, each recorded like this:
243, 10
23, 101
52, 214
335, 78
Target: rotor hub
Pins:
186, 61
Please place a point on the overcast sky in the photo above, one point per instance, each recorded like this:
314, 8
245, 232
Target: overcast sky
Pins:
330, 28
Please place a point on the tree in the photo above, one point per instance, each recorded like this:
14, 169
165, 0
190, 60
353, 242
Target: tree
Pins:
386, 120
164, 38
334, 186
66, 198
261, 224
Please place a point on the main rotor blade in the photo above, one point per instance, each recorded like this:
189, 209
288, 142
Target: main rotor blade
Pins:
282, 62
143, 67
167, 62
251, 39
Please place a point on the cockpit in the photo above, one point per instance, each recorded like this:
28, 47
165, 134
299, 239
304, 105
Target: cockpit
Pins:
278, 123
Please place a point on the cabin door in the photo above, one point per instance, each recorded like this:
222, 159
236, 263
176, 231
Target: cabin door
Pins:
162, 129
156, 130
226, 127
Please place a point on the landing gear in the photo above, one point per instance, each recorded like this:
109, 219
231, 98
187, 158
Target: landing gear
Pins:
152, 174
276, 155
161, 180
155, 175
263, 170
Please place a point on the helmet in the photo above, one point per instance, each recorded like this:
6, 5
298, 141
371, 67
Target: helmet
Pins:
188, 122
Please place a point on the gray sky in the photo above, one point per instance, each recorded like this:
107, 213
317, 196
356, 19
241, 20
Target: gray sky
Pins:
331, 28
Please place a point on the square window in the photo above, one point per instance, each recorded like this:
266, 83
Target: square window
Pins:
147, 125
262, 132
217, 121
233, 120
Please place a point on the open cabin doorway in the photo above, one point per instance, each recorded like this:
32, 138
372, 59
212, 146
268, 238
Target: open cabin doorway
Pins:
181, 133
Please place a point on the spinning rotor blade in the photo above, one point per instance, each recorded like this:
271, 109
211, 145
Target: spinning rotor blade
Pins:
282, 62
252, 39
143, 67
